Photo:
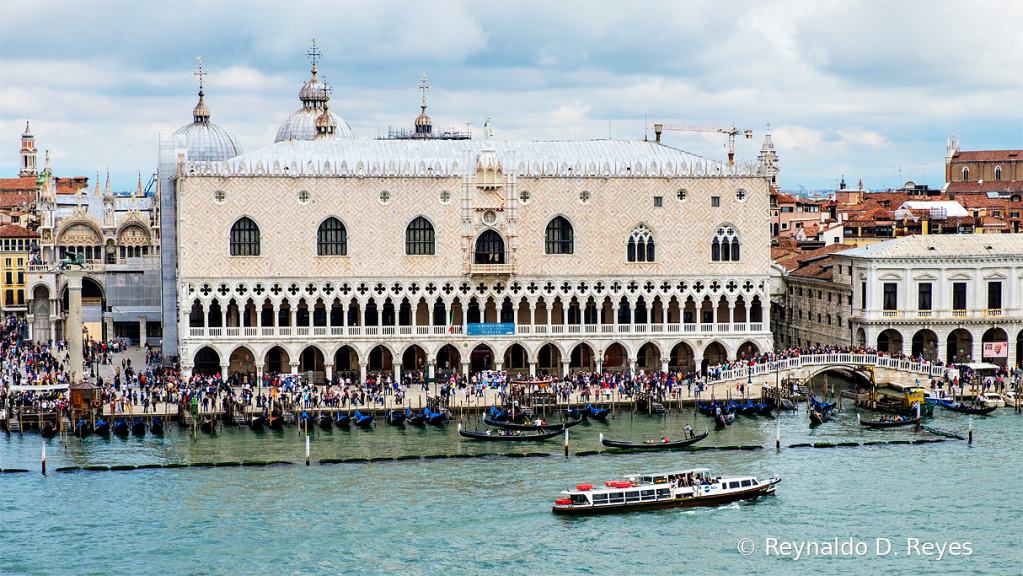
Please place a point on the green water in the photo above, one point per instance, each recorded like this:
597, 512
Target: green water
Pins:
492, 515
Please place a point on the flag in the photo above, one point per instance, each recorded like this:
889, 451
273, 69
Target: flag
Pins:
451, 321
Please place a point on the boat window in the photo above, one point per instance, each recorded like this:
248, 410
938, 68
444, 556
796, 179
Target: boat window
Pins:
754, 482
733, 484
647, 479
617, 497
663, 493
745, 483
632, 496
648, 494
599, 499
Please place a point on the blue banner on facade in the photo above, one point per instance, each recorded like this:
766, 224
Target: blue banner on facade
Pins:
492, 329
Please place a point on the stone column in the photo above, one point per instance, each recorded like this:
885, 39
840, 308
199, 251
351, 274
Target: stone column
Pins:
564, 368
108, 320
362, 372
465, 369
499, 366
294, 367
532, 369
74, 322
30, 319
186, 371
328, 371
142, 331
614, 318
664, 365
397, 370
224, 368
293, 323
432, 373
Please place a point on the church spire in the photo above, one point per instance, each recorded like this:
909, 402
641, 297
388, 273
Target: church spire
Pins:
28, 154
109, 191
98, 193
200, 114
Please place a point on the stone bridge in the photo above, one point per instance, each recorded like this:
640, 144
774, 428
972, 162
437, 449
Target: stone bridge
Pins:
886, 369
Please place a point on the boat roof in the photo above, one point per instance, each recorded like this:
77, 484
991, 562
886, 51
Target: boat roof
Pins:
675, 473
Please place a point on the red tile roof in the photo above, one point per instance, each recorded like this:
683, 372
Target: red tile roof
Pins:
981, 155
15, 231
27, 184
8, 200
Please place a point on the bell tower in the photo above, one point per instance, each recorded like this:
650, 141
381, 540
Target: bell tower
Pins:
28, 154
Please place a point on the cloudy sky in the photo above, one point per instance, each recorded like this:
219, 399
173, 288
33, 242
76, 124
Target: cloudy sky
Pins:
860, 89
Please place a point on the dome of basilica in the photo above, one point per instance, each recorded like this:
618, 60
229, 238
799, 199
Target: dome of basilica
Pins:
206, 141
301, 125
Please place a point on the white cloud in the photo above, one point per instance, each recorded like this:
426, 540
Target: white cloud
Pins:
856, 87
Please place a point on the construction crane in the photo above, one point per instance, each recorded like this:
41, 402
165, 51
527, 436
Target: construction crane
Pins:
731, 131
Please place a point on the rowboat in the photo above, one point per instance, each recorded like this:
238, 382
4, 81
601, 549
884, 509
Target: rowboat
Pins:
991, 399
508, 435
965, 408
121, 427
276, 422
818, 417
325, 421
49, 430
887, 423
681, 489
531, 427
415, 418
102, 427
342, 420
597, 413
362, 420
257, 422
83, 428
156, 426
395, 418
514, 417
138, 427
435, 418
652, 444
206, 425
724, 418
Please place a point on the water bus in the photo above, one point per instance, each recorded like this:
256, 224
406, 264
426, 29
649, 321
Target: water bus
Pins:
680, 489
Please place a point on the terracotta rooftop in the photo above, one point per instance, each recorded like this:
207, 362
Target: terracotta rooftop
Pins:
9, 200
15, 231
981, 155
18, 184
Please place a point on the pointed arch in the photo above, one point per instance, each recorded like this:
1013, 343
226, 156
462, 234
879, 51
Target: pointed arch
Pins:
245, 237
725, 246
332, 238
420, 238
559, 237
641, 244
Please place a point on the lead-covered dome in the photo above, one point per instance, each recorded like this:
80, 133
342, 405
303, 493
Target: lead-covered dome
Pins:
302, 124
206, 141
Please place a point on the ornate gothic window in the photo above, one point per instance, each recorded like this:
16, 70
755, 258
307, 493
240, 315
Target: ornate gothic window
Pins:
420, 239
489, 248
641, 245
560, 237
332, 238
244, 238
725, 246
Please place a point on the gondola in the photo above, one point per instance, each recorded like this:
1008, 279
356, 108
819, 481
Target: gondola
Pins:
48, 430
887, 424
599, 414
765, 409
395, 418
257, 422
823, 406
511, 436
531, 427
724, 418
435, 418
121, 427
653, 444
415, 418
156, 426
206, 425
514, 417
325, 421
138, 427
277, 422
819, 417
305, 420
362, 420
708, 408
342, 420
747, 409
83, 428
966, 408
102, 428
577, 413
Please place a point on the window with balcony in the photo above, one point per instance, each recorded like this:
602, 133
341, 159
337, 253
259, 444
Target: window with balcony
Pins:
959, 296
891, 293
994, 295
923, 296
489, 248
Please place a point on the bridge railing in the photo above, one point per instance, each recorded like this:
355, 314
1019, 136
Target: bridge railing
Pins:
808, 360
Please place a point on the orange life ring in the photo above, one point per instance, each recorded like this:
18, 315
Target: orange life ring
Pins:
97, 403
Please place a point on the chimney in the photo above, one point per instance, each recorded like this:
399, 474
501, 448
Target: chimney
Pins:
658, 128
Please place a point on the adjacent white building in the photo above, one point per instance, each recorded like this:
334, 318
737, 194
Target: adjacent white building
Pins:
951, 298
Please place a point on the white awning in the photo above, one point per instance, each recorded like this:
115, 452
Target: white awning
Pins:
42, 388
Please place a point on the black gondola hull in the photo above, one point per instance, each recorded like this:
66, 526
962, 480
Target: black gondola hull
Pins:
531, 427
499, 438
652, 446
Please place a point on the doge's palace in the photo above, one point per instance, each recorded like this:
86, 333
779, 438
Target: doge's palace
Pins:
324, 254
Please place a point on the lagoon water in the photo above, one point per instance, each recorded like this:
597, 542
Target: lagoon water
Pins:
492, 515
